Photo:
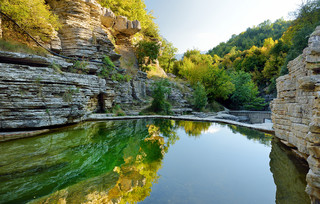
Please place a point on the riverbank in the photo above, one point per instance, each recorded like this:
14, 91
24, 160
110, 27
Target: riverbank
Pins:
264, 127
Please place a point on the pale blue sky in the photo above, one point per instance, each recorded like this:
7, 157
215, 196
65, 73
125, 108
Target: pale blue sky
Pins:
203, 24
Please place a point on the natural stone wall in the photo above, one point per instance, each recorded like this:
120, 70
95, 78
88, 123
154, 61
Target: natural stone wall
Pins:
86, 29
296, 111
34, 97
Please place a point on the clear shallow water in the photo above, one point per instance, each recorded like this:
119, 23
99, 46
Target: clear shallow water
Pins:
150, 161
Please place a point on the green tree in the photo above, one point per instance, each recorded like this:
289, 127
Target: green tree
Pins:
245, 95
200, 99
218, 84
160, 90
147, 52
167, 57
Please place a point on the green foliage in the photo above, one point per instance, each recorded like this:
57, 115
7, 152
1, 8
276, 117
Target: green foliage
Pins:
307, 18
79, 67
147, 52
12, 46
218, 84
214, 106
199, 97
197, 67
134, 10
108, 62
167, 57
117, 110
56, 67
160, 90
252, 37
33, 15
246, 93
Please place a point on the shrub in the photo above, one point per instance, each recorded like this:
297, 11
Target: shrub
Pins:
118, 111
199, 97
159, 103
147, 52
108, 62
79, 67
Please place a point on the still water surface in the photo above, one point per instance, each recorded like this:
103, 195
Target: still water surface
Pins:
151, 161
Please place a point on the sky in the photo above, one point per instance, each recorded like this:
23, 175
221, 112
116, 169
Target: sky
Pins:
203, 24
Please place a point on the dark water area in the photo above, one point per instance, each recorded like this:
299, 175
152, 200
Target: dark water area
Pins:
151, 161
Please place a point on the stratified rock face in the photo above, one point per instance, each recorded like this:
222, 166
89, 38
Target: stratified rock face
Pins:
135, 89
296, 111
85, 25
32, 97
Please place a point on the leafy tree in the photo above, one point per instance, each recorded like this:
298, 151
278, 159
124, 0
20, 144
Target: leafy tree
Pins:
167, 57
147, 52
160, 90
199, 97
33, 15
218, 84
246, 92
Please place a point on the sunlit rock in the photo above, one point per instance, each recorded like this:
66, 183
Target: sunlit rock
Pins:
295, 112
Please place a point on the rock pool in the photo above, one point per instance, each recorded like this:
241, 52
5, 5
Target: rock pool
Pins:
151, 161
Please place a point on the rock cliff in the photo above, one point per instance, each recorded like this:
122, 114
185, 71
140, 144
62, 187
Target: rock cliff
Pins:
88, 29
296, 110
38, 92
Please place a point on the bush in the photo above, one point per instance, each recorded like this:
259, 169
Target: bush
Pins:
118, 111
108, 62
147, 52
199, 97
159, 103
79, 67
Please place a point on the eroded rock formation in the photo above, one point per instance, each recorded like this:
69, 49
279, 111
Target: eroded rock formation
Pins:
296, 111
35, 96
86, 27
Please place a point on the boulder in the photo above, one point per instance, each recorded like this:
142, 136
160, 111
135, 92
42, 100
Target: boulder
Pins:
107, 18
121, 24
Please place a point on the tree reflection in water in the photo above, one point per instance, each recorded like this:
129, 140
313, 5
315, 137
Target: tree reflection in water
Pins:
193, 128
113, 162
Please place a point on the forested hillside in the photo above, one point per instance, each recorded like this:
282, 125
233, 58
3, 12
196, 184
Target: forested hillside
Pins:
241, 72
252, 37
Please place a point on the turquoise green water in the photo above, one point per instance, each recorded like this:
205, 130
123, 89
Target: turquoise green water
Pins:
150, 161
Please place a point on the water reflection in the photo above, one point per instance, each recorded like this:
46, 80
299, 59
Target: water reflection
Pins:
113, 162
262, 138
289, 175
193, 128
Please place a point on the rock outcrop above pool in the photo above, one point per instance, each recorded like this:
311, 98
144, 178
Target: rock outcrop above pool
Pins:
296, 110
88, 29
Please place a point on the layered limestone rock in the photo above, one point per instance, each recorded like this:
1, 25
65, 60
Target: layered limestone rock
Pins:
296, 111
86, 27
40, 96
